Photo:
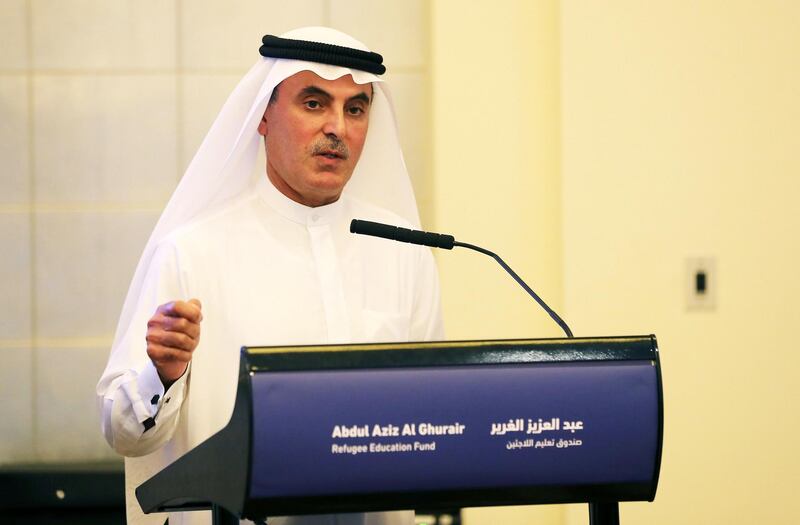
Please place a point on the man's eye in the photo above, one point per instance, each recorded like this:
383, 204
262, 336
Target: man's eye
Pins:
312, 104
355, 110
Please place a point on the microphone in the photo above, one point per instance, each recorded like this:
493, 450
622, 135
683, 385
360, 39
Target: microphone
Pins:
439, 240
395, 233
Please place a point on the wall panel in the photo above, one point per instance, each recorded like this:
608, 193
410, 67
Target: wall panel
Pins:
101, 34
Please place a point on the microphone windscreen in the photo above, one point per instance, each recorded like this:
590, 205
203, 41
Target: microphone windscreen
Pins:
375, 229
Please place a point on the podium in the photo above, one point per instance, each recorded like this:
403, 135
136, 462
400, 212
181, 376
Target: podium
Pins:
370, 427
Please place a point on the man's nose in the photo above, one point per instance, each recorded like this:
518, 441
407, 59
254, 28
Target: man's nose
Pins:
335, 124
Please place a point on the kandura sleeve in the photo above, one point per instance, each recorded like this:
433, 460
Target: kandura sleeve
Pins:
137, 414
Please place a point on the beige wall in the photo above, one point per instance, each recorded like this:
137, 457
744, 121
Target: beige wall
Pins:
102, 105
676, 138
496, 162
680, 139
496, 176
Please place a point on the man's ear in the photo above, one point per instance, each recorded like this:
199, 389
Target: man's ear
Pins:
262, 126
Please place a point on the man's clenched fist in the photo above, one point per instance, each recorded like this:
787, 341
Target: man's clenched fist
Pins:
172, 335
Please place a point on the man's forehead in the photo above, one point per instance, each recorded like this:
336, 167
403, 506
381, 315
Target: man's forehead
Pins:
342, 85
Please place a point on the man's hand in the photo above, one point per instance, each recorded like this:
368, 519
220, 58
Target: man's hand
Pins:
172, 335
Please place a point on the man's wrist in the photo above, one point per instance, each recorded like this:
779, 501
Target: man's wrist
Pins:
169, 381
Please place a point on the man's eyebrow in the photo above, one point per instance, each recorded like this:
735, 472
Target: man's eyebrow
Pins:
318, 91
314, 90
361, 96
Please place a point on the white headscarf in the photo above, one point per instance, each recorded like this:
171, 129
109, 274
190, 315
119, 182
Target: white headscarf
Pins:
225, 164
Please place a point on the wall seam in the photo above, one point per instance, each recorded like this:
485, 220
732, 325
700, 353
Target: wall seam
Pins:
559, 77
326, 13
429, 173
222, 71
83, 206
179, 82
432, 120
559, 135
58, 342
34, 329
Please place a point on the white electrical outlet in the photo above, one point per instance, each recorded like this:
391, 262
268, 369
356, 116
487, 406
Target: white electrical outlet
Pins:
701, 283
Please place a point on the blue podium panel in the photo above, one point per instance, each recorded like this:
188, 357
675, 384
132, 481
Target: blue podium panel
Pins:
385, 430
371, 427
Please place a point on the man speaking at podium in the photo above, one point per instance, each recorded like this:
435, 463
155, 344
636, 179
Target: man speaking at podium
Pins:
247, 255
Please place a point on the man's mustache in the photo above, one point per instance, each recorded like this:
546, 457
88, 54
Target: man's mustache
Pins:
331, 145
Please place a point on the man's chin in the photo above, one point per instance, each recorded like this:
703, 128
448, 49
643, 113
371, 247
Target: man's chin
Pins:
330, 180
324, 191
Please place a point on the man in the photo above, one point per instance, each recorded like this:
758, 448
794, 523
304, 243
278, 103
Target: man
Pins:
269, 255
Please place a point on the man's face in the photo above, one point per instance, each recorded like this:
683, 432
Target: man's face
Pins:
314, 133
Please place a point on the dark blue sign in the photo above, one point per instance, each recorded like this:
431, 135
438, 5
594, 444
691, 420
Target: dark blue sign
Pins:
397, 430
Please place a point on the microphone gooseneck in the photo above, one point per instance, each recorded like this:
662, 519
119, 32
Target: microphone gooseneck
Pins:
522, 283
447, 242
